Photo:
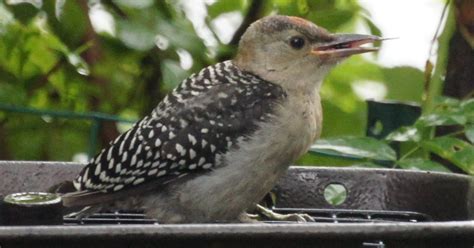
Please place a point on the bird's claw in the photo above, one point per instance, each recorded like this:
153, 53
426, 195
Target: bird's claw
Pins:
295, 217
299, 217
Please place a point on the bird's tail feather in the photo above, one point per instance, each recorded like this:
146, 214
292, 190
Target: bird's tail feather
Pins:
73, 198
62, 187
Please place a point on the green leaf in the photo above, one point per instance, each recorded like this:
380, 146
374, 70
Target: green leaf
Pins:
469, 132
355, 147
403, 83
444, 101
23, 11
468, 105
12, 94
136, 36
421, 164
405, 134
67, 19
333, 19
336, 16
181, 34
224, 6
457, 151
284, 6
138, 4
448, 111
468, 110
316, 159
442, 119
372, 27
303, 7
365, 164
7, 77
173, 74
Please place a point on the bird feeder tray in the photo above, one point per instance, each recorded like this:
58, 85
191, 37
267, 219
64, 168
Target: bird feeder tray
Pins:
381, 208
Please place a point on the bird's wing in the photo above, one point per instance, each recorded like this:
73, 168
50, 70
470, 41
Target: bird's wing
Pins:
188, 131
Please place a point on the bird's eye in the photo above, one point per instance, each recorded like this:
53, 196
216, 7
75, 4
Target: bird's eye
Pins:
297, 42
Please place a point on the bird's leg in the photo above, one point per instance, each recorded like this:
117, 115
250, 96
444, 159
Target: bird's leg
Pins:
83, 213
297, 217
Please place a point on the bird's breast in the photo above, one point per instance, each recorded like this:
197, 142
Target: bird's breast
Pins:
246, 173
301, 123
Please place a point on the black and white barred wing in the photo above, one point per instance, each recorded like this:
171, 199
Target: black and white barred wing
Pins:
187, 133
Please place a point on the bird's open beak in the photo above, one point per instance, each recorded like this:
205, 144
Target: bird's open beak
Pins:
345, 45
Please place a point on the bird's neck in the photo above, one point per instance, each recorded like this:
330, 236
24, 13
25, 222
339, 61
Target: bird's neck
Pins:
298, 86
293, 83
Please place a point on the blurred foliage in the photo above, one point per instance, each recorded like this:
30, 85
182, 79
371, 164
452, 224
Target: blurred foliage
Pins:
441, 139
455, 147
121, 56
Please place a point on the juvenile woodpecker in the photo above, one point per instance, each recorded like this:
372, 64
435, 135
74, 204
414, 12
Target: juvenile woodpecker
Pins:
217, 143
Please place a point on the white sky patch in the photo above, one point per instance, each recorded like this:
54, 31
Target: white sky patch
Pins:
36, 3
185, 59
196, 12
414, 26
412, 22
226, 24
369, 90
102, 21
209, 2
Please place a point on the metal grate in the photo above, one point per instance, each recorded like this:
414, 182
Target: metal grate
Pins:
357, 216
320, 215
118, 218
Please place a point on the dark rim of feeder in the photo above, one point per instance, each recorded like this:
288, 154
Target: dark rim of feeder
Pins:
32, 198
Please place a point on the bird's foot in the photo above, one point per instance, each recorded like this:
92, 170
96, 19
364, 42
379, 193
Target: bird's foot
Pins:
249, 218
296, 217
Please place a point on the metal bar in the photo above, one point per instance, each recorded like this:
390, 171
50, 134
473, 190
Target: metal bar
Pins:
388, 230
64, 114
93, 136
356, 212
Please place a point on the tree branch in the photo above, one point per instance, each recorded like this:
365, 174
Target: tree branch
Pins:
108, 130
254, 13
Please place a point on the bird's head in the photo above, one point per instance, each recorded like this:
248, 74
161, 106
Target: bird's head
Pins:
294, 52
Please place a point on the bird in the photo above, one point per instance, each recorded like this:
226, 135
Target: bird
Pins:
218, 142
